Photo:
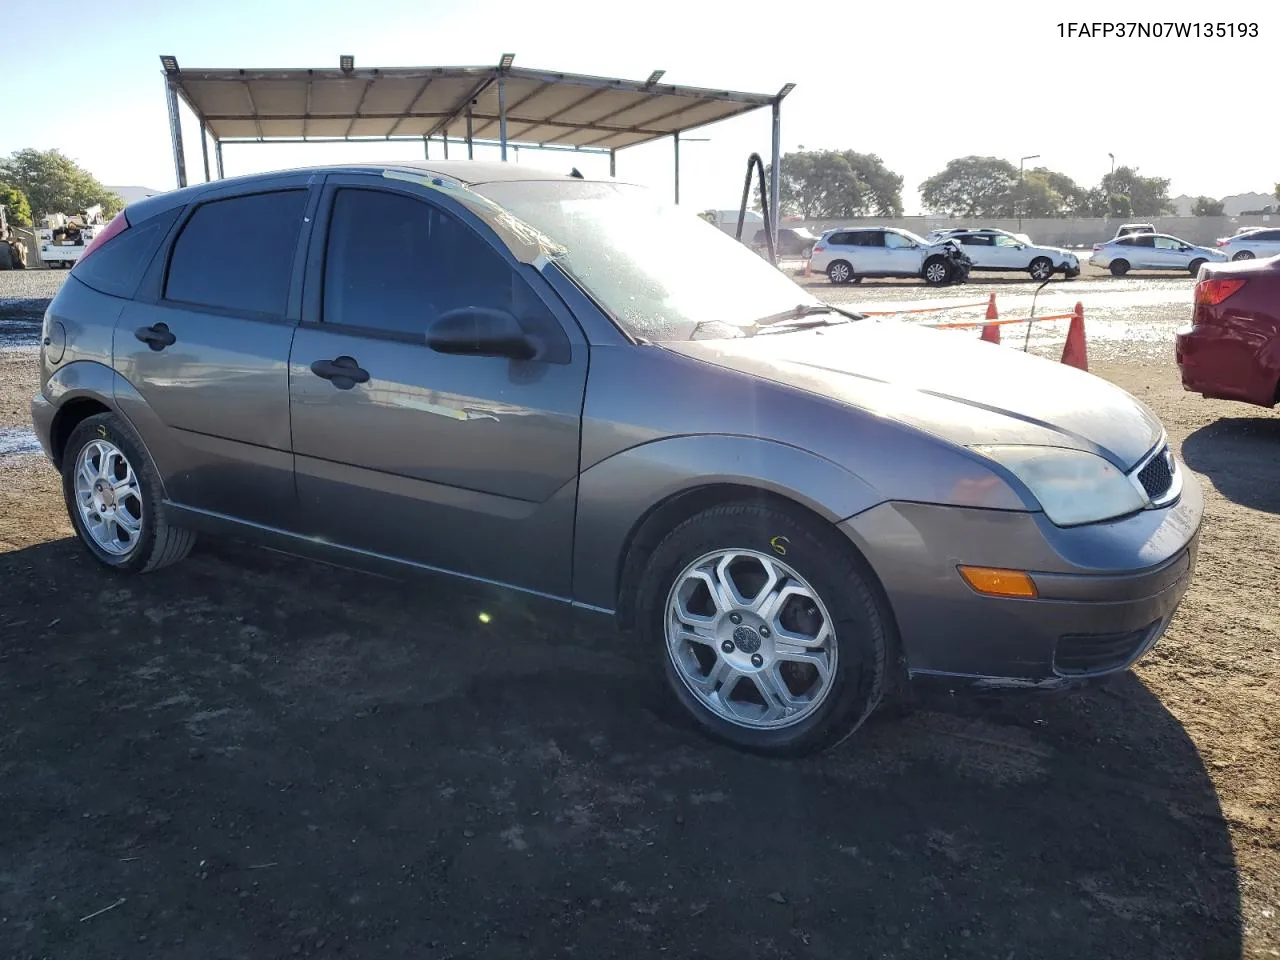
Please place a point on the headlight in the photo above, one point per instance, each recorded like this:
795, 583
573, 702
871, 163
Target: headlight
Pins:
1073, 487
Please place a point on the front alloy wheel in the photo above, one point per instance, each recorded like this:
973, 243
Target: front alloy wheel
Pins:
1041, 268
936, 272
750, 639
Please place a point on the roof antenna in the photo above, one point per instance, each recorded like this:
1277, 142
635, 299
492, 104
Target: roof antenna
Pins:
575, 172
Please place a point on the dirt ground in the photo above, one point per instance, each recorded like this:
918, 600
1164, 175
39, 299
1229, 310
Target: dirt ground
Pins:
249, 755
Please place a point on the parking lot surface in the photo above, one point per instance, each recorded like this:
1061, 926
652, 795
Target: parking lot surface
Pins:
248, 755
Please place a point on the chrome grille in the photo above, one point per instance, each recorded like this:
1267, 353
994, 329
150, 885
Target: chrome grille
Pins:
1157, 476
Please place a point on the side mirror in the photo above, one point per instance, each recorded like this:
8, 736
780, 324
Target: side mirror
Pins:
481, 332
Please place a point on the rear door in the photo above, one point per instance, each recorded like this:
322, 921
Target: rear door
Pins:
205, 343
462, 463
979, 248
1141, 252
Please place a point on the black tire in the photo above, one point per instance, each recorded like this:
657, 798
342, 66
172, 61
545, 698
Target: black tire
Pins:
1040, 268
840, 271
159, 542
1119, 268
1194, 267
932, 276
1243, 255
838, 576
1071, 274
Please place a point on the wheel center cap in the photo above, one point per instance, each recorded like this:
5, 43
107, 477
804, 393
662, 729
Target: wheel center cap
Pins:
746, 639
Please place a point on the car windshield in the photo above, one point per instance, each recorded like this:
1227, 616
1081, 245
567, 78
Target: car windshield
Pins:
660, 271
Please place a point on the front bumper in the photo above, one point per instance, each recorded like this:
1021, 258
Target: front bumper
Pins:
1106, 591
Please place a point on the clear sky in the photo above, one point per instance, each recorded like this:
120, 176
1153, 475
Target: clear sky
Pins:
916, 82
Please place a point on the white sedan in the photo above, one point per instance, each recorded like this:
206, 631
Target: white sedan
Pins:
999, 250
1152, 251
1256, 243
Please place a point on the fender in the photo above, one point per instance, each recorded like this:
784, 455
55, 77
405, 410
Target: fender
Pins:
616, 493
96, 381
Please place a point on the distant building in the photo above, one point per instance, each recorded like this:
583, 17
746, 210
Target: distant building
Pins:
1234, 206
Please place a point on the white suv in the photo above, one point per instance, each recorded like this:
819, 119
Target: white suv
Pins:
846, 255
999, 250
1255, 243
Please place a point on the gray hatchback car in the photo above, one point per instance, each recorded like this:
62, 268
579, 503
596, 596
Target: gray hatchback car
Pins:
565, 387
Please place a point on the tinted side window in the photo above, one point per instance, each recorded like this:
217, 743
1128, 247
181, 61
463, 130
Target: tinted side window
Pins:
395, 264
1124, 242
838, 240
973, 239
868, 238
1144, 240
117, 268
237, 254
1270, 236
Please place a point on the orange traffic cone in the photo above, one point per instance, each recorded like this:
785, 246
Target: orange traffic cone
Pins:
1074, 351
990, 331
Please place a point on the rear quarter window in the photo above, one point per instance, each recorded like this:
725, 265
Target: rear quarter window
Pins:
236, 255
117, 267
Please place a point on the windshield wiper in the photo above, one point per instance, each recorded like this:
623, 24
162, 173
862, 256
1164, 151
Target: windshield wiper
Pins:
787, 319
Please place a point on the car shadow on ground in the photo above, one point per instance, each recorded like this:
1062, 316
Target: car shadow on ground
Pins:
1241, 456
252, 755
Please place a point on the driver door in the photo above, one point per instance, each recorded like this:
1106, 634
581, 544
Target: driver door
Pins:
902, 257
1169, 254
464, 463
1009, 254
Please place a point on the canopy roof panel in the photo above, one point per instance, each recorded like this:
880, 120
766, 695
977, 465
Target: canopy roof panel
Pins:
542, 107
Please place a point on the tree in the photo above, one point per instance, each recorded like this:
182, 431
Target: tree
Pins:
817, 184
1148, 196
1207, 207
972, 187
17, 209
708, 215
1072, 198
54, 183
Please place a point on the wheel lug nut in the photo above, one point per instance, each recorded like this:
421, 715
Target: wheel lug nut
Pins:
735, 618
764, 631
727, 646
757, 660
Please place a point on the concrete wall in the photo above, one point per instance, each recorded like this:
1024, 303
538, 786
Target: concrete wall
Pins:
1067, 233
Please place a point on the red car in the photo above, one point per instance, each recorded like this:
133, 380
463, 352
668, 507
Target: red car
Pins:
1231, 351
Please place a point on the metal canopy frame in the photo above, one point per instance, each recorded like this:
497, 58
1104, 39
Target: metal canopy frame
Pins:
497, 106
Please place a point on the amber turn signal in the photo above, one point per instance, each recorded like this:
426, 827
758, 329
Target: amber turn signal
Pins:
999, 583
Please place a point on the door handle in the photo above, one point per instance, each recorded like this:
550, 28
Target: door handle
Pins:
343, 372
157, 336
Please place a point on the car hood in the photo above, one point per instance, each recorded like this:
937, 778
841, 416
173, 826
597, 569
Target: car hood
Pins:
950, 385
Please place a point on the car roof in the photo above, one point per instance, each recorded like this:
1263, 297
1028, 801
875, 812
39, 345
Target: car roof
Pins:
470, 173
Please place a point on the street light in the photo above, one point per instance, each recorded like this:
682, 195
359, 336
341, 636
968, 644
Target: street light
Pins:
1021, 186
1113, 162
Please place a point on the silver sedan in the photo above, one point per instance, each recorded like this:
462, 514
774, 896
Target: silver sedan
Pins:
1152, 251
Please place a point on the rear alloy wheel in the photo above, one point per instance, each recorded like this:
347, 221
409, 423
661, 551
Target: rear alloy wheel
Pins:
839, 271
114, 498
937, 272
1119, 268
770, 635
1243, 255
1041, 268
1194, 267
